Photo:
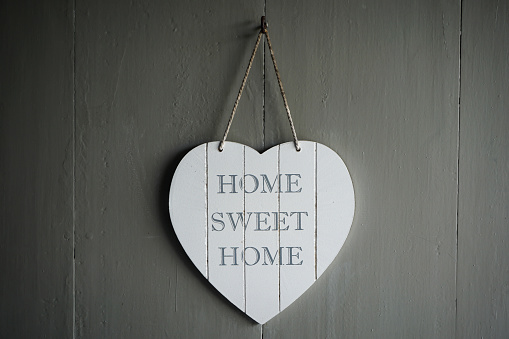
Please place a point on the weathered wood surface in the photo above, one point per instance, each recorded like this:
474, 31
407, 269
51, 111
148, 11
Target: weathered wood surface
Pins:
154, 79
266, 300
226, 278
36, 172
378, 82
483, 228
392, 67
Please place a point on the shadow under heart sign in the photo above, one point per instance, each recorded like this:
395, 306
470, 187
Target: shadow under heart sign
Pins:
262, 227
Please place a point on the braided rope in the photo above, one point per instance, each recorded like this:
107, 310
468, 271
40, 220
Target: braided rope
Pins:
294, 134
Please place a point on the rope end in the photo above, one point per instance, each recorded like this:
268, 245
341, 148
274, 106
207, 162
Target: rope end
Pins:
221, 146
297, 146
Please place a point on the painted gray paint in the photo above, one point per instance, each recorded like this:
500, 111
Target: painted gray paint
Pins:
100, 100
36, 169
483, 214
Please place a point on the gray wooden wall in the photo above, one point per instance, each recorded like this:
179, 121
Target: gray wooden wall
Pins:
99, 100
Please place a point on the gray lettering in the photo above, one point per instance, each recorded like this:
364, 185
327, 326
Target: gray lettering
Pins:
222, 183
299, 219
218, 221
290, 183
291, 255
266, 253
259, 221
234, 256
257, 256
271, 187
240, 219
255, 180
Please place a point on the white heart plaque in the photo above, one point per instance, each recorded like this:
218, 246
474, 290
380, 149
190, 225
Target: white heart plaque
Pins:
262, 227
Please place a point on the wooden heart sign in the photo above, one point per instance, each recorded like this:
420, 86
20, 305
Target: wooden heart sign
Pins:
262, 227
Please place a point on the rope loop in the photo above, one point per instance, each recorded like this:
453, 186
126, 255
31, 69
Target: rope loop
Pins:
263, 31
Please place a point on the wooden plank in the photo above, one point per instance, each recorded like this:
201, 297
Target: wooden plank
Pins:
297, 233
262, 241
483, 233
36, 169
153, 80
227, 219
378, 84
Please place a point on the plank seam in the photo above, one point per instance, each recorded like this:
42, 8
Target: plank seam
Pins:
316, 211
279, 226
263, 132
244, 224
74, 170
458, 171
207, 209
263, 96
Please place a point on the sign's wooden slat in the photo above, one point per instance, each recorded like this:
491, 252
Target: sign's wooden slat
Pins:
261, 241
297, 208
226, 221
191, 209
335, 206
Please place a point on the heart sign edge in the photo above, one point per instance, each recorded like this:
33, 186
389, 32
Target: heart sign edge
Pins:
193, 200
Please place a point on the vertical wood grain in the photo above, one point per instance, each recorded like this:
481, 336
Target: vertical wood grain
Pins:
377, 83
36, 169
262, 235
154, 79
195, 206
483, 230
226, 197
335, 201
297, 234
